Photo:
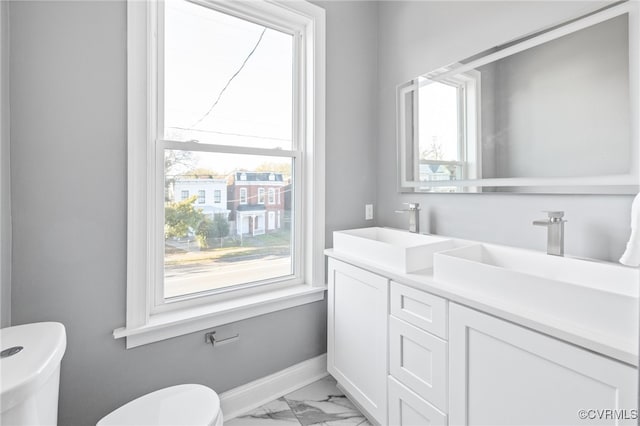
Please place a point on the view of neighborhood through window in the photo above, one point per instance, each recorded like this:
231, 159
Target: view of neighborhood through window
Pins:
440, 142
227, 82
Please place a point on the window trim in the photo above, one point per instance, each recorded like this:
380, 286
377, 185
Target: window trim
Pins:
468, 87
242, 196
261, 195
142, 325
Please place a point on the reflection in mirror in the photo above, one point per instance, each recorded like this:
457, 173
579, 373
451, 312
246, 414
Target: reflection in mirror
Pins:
552, 113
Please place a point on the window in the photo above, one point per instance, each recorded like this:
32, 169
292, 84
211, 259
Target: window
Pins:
260, 195
217, 196
184, 194
446, 134
247, 94
272, 196
201, 196
439, 134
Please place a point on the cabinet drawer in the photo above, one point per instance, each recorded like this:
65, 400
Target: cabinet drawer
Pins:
419, 360
408, 409
421, 309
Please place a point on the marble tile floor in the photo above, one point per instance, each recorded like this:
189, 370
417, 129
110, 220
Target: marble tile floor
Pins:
321, 403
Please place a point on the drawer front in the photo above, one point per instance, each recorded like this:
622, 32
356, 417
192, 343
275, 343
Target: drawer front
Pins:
408, 409
421, 309
419, 360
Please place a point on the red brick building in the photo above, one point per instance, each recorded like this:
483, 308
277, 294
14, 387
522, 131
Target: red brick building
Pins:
256, 201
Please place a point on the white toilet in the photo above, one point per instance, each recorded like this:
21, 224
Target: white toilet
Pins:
30, 373
182, 405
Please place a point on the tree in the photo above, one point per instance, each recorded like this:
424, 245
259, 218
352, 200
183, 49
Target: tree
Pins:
176, 162
181, 217
203, 232
434, 151
216, 228
220, 227
203, 173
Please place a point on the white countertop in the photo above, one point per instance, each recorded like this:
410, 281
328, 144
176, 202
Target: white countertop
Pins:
611, 346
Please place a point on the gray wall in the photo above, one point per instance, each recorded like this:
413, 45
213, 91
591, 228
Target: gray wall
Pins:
352, 65
415, 37
68, 129
5, 188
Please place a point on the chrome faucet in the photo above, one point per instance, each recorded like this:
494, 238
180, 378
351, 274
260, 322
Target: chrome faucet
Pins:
555, 232
414, 216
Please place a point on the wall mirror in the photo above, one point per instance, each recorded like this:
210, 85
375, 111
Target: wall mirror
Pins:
553, 112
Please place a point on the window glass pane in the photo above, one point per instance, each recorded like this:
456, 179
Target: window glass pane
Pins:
226, 80
211, 245
438, 123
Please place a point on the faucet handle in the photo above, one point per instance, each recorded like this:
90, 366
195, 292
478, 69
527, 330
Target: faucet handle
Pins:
554, 214
413, 206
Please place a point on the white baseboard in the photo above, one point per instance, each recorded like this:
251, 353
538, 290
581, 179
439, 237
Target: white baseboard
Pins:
247, 397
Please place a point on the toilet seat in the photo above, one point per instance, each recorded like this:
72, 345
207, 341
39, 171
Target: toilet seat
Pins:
182, 405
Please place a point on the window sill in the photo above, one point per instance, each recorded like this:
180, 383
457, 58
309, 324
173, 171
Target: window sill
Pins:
176, 323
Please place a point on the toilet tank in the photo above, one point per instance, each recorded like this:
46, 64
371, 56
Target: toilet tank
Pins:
30, 373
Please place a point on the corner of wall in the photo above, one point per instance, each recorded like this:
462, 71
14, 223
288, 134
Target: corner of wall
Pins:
376, 144
5, 175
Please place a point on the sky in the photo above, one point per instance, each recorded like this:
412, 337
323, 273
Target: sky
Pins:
203, 50
438, 119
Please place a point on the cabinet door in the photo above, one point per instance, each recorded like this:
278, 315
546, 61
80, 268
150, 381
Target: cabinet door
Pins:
357, 335
408, 409
504, 374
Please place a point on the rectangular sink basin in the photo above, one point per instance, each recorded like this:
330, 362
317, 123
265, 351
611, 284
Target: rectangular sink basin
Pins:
396, 249
598, 296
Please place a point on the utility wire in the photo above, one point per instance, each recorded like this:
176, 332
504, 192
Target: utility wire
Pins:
231, 79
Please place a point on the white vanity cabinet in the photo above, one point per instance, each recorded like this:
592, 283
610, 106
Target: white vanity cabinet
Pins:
411, 358
357, 335
504, 374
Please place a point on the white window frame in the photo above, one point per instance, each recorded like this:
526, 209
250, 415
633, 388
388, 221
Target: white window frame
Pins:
271, 196
260, 195
468, 87
144, 324
202, 196
242, 196
467, 90
217, 196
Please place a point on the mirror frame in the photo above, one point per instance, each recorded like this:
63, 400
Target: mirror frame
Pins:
605, 184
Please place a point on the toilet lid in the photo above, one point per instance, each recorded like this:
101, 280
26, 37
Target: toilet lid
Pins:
180, 405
